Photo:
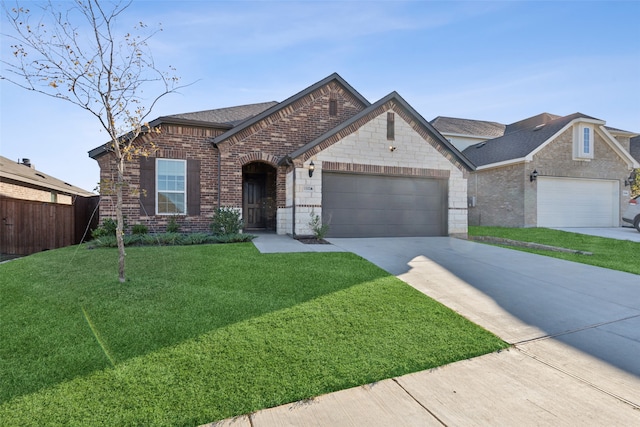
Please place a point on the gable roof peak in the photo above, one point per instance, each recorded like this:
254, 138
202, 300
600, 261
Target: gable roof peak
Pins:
332, 77
401, 104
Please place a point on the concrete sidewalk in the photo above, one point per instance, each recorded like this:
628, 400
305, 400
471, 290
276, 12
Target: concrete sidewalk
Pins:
271, 243
619, 233
575, 331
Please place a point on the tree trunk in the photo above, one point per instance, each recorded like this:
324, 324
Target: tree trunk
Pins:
120, 221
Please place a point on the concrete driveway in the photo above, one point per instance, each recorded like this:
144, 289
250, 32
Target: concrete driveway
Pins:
575, 331
577, 320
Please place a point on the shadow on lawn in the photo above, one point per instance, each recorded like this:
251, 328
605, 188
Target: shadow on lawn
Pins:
81, 320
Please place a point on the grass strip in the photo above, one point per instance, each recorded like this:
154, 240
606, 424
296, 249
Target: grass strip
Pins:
622, 255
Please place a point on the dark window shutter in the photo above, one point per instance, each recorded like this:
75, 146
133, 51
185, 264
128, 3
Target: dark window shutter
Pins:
193, 187
147, 186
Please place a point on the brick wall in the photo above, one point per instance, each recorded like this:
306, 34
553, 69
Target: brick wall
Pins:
18, 191
499, 195
280, 134
174, 142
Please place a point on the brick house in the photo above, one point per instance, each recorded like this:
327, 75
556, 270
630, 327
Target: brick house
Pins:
544, 171
39, 211
367, 169
22, 181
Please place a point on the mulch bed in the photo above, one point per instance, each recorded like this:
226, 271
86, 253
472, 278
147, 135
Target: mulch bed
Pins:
312, 241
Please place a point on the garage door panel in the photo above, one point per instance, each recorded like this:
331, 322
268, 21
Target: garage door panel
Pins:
357, 205
569, 202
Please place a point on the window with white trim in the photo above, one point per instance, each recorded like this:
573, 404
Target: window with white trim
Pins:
171, 186
583, 142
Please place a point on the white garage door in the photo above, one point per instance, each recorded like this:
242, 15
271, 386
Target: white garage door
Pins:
568, 202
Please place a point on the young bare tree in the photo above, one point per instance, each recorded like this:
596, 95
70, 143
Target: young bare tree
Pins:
79, 55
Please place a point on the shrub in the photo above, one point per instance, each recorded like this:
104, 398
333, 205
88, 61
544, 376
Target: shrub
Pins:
167, 238
315, 223
194, 239
108, 228
226, 221
173, 226
139, 229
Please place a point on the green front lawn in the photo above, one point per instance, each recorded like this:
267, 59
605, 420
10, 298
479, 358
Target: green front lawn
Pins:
615, 254
202, 333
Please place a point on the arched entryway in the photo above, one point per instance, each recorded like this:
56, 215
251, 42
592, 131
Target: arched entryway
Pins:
259, 196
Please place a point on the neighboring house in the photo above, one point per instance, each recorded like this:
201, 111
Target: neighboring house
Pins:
23, 181
545, 171
39, 212
367, 169
463, 133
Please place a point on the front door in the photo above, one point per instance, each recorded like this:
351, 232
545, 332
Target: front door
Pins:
255, 202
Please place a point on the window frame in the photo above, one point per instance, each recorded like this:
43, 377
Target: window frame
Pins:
580, 141
184, 191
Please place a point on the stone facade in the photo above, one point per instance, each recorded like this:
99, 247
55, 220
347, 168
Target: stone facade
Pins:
413, 156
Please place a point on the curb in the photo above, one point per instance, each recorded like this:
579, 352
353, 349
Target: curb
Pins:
509, 242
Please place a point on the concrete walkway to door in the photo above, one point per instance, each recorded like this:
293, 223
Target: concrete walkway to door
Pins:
575, 331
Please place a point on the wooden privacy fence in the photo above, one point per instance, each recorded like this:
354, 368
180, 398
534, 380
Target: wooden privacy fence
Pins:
27, 226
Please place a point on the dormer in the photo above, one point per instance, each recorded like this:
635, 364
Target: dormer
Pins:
583, 141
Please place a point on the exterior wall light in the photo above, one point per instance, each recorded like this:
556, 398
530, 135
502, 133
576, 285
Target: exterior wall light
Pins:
632, 178
392, 148
312, 167
533, 176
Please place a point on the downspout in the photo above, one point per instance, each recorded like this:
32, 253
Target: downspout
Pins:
219, 173
289, 162
293, 207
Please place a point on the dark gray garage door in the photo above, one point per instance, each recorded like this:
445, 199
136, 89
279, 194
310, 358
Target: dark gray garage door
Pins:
357, 205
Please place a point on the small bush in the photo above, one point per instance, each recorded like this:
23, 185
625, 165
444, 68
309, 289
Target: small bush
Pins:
139, 229
167, 238
108, 228
194, 239
315, 223
226, 221
173, 226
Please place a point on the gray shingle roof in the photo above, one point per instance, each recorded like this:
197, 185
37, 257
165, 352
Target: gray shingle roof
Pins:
230, 116
635, 148
530, 122
18, 172
518, 144
468, 127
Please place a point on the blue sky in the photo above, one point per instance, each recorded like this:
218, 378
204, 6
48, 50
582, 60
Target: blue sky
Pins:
499, 61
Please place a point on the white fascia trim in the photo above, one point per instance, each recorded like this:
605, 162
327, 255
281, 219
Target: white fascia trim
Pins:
619, 149
504, 163
622, 133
